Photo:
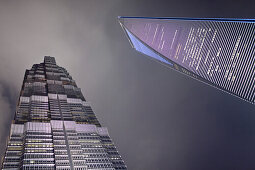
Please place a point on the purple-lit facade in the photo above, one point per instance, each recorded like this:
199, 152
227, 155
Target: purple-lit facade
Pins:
219, 52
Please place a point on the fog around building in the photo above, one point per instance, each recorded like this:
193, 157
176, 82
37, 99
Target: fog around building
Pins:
157, 117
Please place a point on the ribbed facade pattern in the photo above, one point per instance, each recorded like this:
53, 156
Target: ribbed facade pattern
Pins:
55, 127
219, 52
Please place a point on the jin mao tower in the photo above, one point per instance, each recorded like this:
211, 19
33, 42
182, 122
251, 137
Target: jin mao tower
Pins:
55, 127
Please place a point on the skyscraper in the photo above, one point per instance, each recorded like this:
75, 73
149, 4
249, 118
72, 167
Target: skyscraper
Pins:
219, 52
55, 127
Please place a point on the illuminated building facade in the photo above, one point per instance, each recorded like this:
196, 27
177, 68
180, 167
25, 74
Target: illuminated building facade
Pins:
55, 127
219, 52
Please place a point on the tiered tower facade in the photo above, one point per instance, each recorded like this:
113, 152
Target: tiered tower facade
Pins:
55, 127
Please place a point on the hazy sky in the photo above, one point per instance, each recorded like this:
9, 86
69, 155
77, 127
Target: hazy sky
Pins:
158, 118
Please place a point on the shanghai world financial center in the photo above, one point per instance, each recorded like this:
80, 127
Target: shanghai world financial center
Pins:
218, 52
55, 127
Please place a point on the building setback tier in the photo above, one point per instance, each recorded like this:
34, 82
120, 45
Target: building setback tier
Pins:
55, 127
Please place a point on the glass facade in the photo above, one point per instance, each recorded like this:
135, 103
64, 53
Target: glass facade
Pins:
55, 127
219, 52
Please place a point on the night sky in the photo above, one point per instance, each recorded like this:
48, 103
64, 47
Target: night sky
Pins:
157, 117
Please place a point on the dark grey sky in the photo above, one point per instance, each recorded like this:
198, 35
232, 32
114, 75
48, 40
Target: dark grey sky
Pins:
158, 118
